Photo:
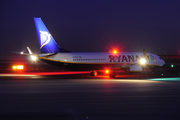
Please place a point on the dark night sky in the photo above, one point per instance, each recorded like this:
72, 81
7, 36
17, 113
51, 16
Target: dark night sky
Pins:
92, 25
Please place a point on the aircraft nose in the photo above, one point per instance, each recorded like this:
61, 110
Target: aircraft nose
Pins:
162, 62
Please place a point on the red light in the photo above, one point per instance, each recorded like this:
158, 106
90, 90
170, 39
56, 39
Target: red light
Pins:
107, 71
115, 51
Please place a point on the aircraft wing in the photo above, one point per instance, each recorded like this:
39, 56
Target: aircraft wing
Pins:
21, 53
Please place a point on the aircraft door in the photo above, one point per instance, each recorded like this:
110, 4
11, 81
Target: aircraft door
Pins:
65, 60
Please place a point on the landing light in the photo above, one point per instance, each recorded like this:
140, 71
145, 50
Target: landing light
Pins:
142, 61
34, 58
22, 52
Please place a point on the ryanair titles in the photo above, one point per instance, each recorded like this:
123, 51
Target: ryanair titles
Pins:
128, 58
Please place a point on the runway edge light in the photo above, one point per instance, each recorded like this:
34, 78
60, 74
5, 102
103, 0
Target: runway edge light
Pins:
18, 67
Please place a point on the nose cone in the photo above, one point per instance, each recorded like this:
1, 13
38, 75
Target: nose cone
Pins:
162, 61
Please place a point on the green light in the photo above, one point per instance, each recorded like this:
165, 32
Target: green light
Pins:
166, 79
172, 65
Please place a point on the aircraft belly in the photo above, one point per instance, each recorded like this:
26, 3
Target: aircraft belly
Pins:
75, 66
135, 68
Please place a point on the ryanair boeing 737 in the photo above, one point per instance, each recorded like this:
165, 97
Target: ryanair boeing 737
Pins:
51, 53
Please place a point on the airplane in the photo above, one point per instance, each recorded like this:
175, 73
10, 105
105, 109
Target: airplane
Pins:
110, 62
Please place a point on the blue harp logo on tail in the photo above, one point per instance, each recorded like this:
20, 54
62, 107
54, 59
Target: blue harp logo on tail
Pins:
45, 38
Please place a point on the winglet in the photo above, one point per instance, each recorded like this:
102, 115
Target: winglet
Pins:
29, 50
145, 55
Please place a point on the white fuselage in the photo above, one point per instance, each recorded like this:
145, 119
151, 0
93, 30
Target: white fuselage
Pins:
103, 58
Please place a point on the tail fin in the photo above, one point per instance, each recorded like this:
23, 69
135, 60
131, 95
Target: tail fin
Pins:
46, 42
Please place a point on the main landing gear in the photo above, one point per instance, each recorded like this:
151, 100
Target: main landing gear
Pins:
93, 73
127, 70
112, 74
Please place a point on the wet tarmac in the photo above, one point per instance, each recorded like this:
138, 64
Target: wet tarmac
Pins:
82, 97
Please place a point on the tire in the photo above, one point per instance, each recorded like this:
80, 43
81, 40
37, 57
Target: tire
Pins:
127, 70
93, 73
112, 75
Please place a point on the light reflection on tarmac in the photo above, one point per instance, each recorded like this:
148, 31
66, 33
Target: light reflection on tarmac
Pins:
80, 97
8, 75
43, 73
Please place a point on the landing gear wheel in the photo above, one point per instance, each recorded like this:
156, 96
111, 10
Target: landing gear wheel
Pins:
93, 73
127, 70
112, 74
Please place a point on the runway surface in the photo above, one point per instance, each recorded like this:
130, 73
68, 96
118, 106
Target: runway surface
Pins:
81, 97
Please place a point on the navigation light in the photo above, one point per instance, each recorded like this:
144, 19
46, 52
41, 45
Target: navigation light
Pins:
115, 51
